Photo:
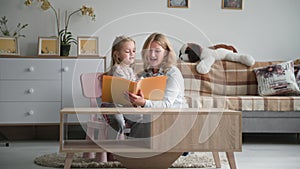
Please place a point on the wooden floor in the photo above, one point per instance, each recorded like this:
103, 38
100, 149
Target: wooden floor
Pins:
260, 151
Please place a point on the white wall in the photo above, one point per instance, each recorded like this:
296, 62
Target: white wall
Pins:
266, 29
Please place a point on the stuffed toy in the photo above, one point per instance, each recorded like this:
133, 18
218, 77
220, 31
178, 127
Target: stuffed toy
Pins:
192, 52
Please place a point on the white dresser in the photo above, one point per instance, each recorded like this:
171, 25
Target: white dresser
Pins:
33, 90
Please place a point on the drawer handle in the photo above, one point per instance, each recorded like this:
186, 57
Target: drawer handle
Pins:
31, 90
30, 113
66, 69
31, 69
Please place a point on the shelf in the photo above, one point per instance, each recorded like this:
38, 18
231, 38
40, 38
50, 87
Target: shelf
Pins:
129, 145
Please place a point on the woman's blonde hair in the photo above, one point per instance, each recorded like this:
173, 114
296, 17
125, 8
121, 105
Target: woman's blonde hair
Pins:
116, 46
169, 59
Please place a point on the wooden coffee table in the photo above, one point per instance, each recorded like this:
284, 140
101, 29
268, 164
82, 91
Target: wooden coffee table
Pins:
173, 131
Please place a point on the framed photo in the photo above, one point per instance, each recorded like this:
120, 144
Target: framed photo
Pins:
9, 46
178, 3
49, 46
88, 46
232, 4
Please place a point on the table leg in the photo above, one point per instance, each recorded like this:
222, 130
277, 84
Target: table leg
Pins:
231, 160
217, 159
160, 161
68, 160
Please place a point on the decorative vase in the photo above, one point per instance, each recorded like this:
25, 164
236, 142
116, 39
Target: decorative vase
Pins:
64, 50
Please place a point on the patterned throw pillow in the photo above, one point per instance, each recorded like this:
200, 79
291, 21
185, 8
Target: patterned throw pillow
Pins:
297, 74
277, 79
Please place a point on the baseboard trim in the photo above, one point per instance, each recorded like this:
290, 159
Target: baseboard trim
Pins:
39, 132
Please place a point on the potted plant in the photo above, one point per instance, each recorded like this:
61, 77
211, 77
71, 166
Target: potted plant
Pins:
66, 37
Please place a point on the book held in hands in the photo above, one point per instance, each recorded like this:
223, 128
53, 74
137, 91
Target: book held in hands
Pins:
114, 88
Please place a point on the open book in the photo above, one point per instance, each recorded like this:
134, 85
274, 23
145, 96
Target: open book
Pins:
113, 88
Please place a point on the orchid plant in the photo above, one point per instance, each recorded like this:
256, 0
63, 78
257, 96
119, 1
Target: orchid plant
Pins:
66, 37
7, 32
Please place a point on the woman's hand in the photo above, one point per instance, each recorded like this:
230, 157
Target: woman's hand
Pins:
137, 99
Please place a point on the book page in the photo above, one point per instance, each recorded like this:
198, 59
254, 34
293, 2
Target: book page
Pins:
113, 89
153, 88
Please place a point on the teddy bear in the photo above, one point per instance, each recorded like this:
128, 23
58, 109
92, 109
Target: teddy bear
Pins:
193, 52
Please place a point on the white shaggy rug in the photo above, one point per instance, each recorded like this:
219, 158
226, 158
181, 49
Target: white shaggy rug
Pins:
193, 160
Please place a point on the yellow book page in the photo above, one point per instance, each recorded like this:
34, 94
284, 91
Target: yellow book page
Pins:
153, 88
113, 88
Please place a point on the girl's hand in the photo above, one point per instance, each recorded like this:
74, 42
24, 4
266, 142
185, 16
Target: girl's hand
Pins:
137, 99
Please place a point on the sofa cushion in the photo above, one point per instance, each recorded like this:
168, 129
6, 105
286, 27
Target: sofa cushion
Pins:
245, 103
277, 79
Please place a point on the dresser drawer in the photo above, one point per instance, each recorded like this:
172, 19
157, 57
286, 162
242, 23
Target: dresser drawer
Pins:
29, 112
30, 68
30, 90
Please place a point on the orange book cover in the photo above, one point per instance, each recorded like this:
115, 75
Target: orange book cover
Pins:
113, 88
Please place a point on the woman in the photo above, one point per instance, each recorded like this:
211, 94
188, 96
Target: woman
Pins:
159, 58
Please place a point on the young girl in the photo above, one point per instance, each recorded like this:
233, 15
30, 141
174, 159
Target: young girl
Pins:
123, 57
122, 60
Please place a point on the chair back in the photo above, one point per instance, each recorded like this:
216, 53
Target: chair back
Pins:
91, 84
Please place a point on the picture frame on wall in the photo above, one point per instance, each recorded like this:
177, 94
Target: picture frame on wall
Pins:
88, 46
48, 46
9, 46
232, 4
178, 3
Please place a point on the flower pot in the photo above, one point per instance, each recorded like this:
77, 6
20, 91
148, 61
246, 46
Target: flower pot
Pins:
64, 50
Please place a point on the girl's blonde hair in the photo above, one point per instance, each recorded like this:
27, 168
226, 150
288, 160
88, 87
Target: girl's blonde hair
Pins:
169, 59
116, 46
